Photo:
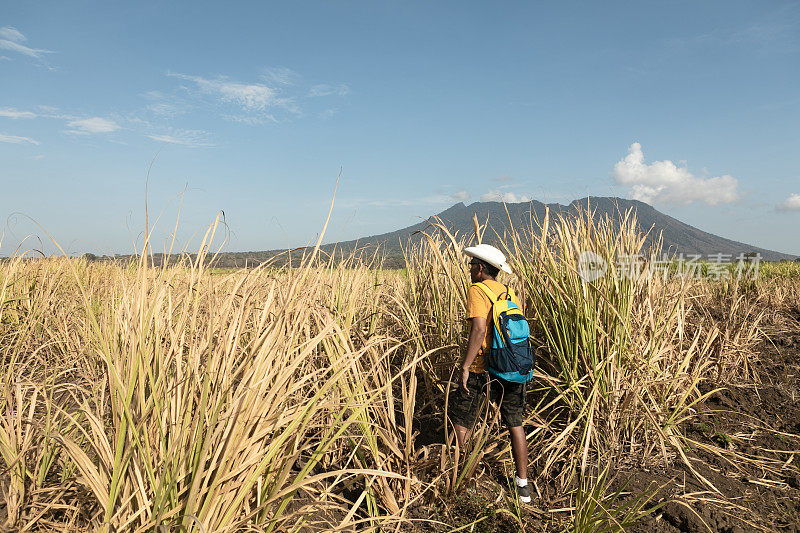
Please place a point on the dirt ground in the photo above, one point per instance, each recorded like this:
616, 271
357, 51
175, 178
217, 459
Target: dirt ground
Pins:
748, 439
744, 443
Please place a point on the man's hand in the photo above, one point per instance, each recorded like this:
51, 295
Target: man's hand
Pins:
464, 378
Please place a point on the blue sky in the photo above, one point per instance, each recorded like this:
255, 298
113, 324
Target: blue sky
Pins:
254, 108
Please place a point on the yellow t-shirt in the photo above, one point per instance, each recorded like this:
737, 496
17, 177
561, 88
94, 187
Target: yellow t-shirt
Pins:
479, 304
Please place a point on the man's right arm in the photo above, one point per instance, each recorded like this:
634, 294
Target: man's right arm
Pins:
477, 332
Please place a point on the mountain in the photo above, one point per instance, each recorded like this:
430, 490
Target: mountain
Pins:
677, 236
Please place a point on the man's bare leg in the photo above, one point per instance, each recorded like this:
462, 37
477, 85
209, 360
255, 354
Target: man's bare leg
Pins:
519, 448
462, 434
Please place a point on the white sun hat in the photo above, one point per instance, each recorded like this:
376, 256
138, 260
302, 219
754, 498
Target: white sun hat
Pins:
490, 254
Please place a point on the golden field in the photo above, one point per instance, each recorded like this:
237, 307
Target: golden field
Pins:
142, 398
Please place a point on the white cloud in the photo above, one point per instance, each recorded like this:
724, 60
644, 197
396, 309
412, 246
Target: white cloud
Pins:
10, 112
189, 138
92, 125
503, 179
663, 181
13, 139
166, 105
249, 96
251, 120
22, 49
507, 197
278, 95
461, 196
790, 204
281, 76
12, 34
326, 90
78, 126
12, 39
164, 109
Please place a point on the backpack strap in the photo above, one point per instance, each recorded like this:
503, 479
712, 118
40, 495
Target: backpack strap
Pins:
485, 288
509, 294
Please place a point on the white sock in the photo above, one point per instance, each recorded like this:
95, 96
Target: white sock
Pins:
520, 482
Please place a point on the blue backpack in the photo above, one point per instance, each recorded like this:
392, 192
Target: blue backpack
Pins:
510, 355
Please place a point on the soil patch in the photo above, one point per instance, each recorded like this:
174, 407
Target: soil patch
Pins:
745, 442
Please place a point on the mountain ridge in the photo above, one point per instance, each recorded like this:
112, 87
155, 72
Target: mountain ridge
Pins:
677, 236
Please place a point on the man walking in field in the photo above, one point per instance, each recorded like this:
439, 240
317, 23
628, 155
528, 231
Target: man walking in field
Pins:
474, 380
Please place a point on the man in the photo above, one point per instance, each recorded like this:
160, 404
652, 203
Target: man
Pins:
484, 266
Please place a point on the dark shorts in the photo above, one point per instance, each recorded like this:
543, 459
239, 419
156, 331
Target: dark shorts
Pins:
463, 409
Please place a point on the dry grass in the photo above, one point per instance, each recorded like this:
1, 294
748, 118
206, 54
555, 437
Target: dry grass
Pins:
274, 399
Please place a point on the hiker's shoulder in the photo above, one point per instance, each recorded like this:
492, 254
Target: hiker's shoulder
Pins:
495, 286
476, 291
474, 288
